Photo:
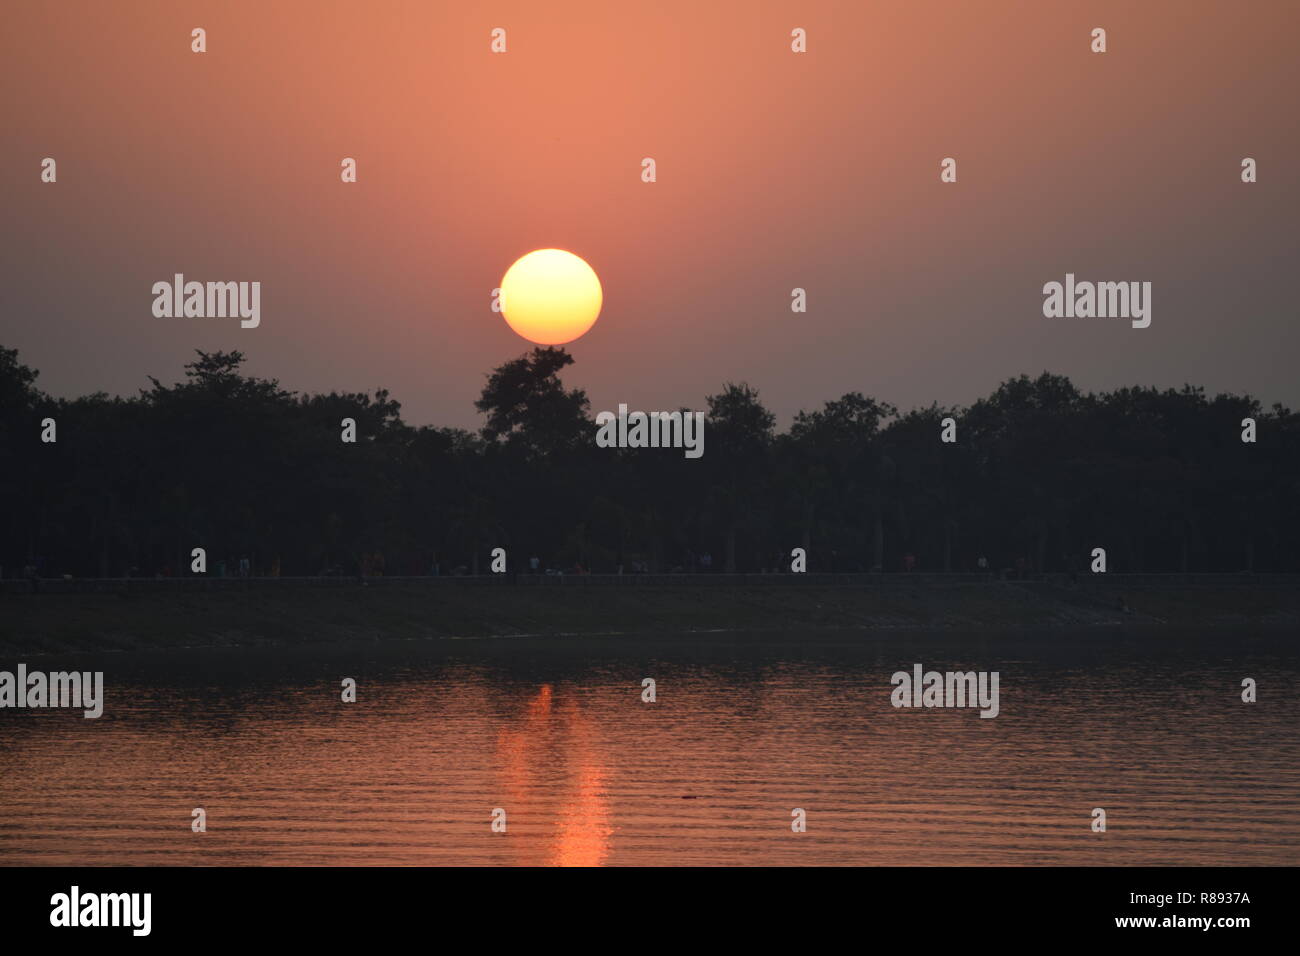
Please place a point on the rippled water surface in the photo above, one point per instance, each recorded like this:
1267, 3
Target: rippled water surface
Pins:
744, 729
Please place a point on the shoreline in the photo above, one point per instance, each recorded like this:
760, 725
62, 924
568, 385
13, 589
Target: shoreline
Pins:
142, 614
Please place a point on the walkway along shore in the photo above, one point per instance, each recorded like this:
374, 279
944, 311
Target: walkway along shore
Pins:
141, 613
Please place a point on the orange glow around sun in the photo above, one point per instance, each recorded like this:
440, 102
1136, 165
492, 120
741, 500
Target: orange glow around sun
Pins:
550, 296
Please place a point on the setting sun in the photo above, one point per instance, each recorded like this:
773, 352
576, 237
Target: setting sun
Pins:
550, 296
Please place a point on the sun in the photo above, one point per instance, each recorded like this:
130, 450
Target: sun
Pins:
551, 296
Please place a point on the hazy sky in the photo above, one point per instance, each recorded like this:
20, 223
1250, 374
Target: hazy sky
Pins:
775, 170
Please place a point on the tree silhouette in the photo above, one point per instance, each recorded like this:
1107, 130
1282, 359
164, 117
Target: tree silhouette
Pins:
528, 407
1040, 474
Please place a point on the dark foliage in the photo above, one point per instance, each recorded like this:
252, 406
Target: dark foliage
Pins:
1040, 474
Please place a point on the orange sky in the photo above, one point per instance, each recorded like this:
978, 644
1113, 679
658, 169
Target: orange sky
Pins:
775, 170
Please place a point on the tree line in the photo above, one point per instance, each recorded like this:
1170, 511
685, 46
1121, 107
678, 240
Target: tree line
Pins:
1040, 473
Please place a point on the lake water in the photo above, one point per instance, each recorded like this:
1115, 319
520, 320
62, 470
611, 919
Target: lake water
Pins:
744, 729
